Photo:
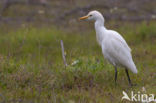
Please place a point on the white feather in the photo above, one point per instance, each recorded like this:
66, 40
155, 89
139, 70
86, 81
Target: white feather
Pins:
114, 47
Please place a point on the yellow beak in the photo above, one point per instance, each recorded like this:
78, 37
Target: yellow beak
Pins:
84, 17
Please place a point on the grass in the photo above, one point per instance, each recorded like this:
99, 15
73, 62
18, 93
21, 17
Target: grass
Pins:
32, 70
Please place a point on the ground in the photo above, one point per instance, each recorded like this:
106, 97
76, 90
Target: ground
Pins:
32, 69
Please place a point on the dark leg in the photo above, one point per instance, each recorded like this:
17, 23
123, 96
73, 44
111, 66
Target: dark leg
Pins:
116, 73
129, 80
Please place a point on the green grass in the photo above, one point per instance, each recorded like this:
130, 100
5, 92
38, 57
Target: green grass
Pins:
32, 69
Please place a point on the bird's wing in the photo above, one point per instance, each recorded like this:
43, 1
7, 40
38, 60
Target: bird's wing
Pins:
120, 47
120, 39
118, 50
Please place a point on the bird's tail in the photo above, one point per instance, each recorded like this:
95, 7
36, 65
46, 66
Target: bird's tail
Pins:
133, 68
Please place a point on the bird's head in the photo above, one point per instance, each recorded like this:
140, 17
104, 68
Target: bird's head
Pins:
93, 15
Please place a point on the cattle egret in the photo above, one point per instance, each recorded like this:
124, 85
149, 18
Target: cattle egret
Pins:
114, 47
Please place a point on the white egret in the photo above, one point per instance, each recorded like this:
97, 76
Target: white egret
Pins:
114, 47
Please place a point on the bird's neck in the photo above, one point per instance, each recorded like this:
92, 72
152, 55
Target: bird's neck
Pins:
99, 23
100, 29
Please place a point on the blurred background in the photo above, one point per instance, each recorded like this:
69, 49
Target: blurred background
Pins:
31, 65
67, 11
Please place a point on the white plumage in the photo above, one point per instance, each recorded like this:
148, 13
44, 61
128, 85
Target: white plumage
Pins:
116, 50
114, 47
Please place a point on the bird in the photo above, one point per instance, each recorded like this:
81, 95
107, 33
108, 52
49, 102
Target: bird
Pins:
114, 47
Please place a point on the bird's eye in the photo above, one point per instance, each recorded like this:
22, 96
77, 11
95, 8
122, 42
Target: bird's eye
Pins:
90, 15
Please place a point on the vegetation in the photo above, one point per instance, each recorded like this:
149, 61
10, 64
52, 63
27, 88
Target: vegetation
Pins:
32, 69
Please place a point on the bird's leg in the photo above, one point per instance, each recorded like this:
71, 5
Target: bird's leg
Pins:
129, 80
116, 73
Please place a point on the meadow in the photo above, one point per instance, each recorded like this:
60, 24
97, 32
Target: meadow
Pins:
32, 69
